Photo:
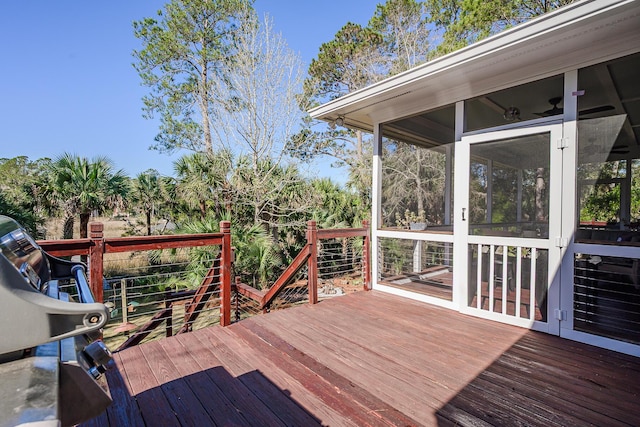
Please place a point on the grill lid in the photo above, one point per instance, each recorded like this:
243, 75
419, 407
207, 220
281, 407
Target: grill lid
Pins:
19, 248
28, 316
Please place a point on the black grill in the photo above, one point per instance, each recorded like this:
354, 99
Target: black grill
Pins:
51, 358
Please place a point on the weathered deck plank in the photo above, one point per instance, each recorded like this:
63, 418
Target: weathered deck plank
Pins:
230, 376
371, 359
414, 394
153, 403
177, 391
126, 411
303, 382
341, 383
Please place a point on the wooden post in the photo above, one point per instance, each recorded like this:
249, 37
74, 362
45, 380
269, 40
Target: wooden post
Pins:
312, 263
225, 269
366, 256
123, 300
96, 253
237, 299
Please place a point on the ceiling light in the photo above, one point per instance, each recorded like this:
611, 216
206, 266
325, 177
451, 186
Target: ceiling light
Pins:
511, 114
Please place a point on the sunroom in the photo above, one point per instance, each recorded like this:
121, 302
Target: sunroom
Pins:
506, 176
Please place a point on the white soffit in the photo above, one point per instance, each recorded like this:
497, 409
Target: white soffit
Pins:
577, 35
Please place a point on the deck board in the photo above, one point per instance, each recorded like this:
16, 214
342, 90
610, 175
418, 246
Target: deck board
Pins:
213, 397
229, 372
126, 412
371, 358
380, 365
153, 404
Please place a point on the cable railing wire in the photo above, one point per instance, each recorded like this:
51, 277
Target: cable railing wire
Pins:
155, 291
162, 285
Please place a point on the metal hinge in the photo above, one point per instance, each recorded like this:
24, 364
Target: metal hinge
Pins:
562, 242
563, 143
560, 314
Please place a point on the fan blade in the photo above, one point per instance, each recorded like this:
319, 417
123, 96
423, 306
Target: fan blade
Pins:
552, 112
544, 114
597, 109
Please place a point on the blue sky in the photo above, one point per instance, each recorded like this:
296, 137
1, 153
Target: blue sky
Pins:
67, 83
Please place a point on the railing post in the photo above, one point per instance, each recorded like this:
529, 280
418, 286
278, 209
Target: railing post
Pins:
237, 299
96, 267
366, 256
225, 269
312, 264
123, 300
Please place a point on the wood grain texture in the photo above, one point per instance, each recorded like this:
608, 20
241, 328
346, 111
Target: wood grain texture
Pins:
374, 359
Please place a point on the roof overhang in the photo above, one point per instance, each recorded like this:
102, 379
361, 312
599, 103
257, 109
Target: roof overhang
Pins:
575, 36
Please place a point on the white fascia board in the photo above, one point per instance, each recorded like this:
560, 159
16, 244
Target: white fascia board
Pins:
523, 42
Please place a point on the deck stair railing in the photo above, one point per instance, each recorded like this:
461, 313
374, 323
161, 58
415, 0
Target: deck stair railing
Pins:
333, 262
150, 281
149, 292
195, 302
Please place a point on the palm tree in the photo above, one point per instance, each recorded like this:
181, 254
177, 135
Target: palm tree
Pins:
202, 179
256, 253
80, 186
338, 207
147, 193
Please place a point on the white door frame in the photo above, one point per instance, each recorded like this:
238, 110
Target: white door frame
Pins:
553, 244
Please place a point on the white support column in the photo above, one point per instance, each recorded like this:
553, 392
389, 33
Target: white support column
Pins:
448, 183
569, 216
417, 256
460, 202
376, 201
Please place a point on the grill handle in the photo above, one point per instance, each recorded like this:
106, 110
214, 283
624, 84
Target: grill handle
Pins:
84, 291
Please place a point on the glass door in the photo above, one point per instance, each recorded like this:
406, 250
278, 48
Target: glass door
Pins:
508, 229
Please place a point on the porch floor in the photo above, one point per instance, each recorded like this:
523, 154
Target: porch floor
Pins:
434, 281
371, 358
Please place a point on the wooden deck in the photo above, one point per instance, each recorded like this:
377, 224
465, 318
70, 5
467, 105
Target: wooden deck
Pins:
370, 358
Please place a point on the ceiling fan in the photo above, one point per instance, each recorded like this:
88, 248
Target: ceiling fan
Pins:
555, 110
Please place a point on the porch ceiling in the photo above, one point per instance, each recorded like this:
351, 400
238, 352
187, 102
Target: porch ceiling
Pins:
575, 36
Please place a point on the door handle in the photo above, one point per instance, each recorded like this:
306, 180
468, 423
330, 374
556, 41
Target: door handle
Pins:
463, 210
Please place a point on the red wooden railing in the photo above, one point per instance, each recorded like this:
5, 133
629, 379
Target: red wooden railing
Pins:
309, 256
96, 246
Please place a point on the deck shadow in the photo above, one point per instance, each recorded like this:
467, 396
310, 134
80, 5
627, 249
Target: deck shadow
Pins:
209, 397
545, 380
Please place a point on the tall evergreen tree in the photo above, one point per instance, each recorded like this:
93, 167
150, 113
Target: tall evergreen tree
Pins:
461, 23
184, 58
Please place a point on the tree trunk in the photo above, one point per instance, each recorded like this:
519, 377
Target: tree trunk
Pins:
227, 196
204, 109
84, 224
148, 215
203, 209
67, 228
